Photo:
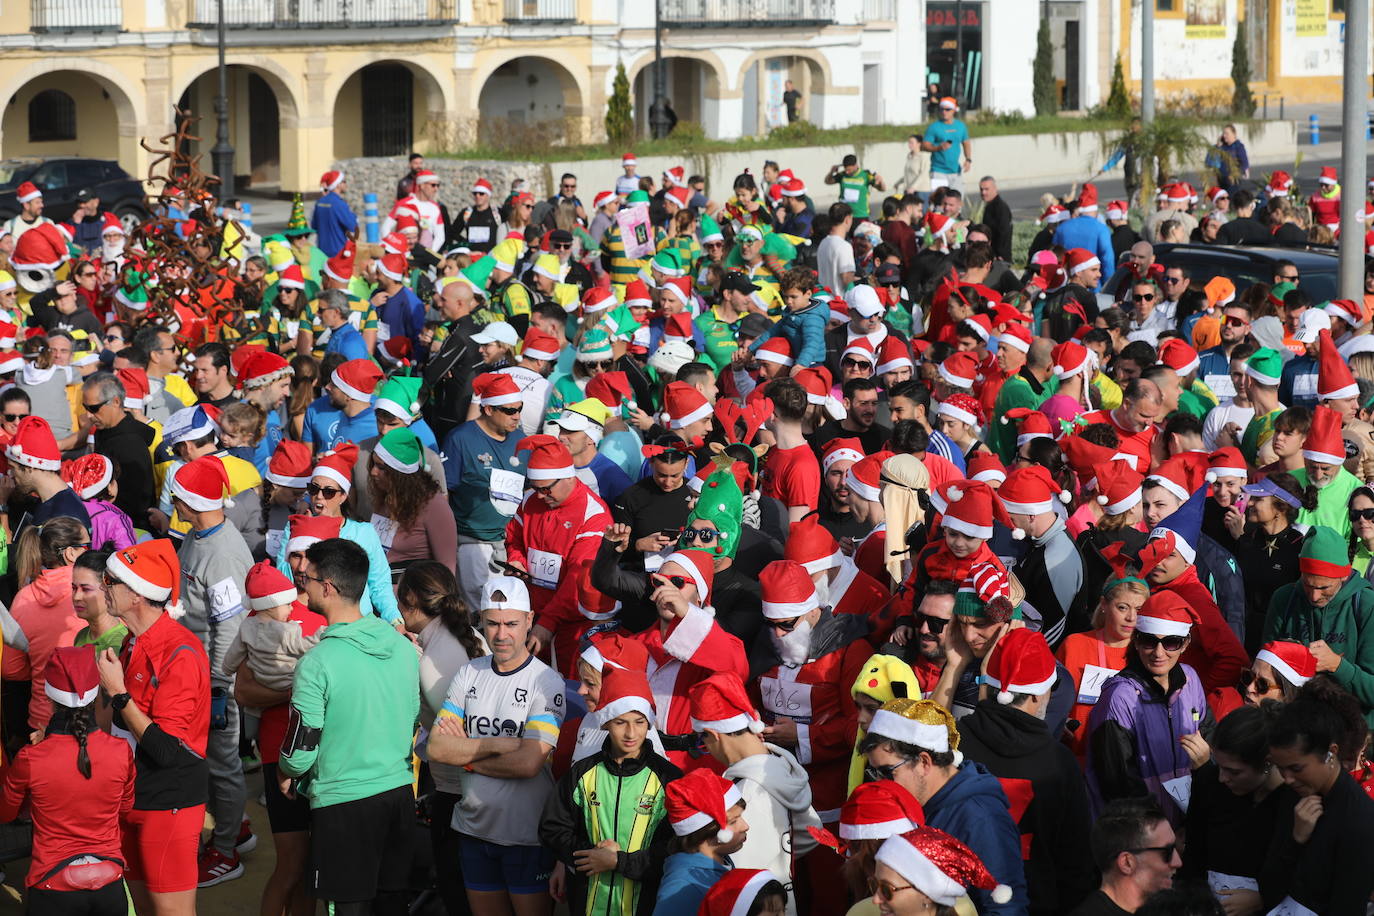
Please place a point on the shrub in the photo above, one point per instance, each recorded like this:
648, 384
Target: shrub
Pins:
1046, 90
620, 118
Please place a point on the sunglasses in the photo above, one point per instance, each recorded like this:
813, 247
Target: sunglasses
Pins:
1233, 322
84, 274
569, 187
14, 417
1165, 852
1146, 297
600, 364
1149, 642
878, 772
1249, 678
1169, 279
546, 489
315, 489
510, 411
936, 625
113, 337
95, 408
705, 535
784, 626
856, 363
1291, 278
1356, 515
656, 580
886, 889
563, 246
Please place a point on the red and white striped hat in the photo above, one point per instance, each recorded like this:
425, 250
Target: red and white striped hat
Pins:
290, 464
549, 459
700, 799
357, 378
893, 354
71, 678
151, 569
1165, 614
88, 475
721, 704
787, 590
267, 587
1294, 663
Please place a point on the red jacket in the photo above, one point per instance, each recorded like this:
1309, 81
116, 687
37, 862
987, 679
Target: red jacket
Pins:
72, 815
1215, 653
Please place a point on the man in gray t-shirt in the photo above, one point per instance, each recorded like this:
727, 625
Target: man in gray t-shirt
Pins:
835, 257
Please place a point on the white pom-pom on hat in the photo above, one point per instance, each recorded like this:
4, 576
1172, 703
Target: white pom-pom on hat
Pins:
755, 726
1001, 894
1018, 534
1065, 497
725, 835
1211, 476
1004, 697
955, 494
1102, 499
958, 758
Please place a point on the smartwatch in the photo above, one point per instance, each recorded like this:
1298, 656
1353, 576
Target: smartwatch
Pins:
120, 700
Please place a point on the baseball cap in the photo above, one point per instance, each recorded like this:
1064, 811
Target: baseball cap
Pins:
753, 325
738, 281
1311, 324
84, 195
505, 593
561, 236
888, 275
496, 332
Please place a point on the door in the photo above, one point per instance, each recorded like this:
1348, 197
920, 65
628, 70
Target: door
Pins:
1071, 68
388, 93
1257, 39
264, 133
873, 94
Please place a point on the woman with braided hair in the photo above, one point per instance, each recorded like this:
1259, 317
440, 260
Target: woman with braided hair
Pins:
78, 782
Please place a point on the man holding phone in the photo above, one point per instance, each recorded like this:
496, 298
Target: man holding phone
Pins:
656, 507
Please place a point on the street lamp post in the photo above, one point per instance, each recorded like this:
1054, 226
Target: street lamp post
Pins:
222, 153
1354, 117
957, 77
658, 111
1147, 61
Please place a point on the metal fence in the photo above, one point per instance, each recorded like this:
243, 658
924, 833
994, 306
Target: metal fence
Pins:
76, 15
880, 10
541, 10
757, 13
295, 14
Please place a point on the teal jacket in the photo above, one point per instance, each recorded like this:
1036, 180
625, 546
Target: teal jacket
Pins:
354, 704
380, 597
1346, 624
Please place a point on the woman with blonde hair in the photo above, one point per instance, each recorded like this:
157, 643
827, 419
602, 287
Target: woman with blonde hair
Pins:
1094, 656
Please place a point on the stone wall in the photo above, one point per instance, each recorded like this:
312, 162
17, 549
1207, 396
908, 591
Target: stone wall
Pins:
380, 174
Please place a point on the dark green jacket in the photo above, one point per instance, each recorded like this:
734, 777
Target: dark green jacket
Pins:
1346, 624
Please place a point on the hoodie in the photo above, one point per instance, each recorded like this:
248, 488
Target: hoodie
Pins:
777, 802
1048, 799
687, 876
972, 807
1345, 623
353, 711
43, 610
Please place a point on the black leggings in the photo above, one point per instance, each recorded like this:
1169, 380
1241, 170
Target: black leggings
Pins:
448, 866
106, 901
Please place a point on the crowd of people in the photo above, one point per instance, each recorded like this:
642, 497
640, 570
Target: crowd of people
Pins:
768, 560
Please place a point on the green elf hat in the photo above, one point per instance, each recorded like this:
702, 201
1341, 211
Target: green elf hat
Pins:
478, 273
637, 196
133, 292
722, 504
1265, 366
776, 244
400, 397
296, 226
709, 230
1324, 553
401, 451
621, 323
987, 595
1279, 290
595, 347
668, 262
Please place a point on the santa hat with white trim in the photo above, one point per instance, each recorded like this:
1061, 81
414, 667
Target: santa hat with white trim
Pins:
331, 180
637, 294
1165, 614
425, 176
1032, 490
878, 810
1226, 462
337, 465
549, 459
202, 484
290, 464
1021, 662
842, 449
34, 445
10, 361
812, 545
919, 723
699, 566
699, 799
818, 383
860, 348
1293, 662
393, 267
1181, 474
27, 191
962, 407
987, 468
1178, 356
267, 587
721, 703
940, 866
540, 345
1117, 209
308, 530
737, 892
481, 186
135, 382
937, 224
1081, 259
496, 389
893, 354
1334, 378
1324, 444
71, 678
624, 690
1345, 309
613, 649
8, 330
592, 603
291, 278
676, 176
775, 350
960, 370
969, 507
263, 368
340, 267
787, 590
684, 405
88, 475
357, 378
865, 477
151, 569
1033, 424
1053, 214
1118, 487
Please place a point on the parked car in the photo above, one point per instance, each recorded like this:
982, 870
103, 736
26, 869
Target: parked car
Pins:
60, 178
1318, 267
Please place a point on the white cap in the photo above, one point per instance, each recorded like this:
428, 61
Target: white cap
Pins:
1311, 324
505, 593
497, 332
863, 300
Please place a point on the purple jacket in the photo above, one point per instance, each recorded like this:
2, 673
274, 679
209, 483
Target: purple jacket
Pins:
1133, 735
110, 527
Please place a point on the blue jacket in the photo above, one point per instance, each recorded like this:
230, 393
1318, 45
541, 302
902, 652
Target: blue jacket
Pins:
611, 481
1087, 232
1216, 569
347, 340
332, 220
973, 808
378, 598
804, 330
1214, 368
687, 876
404, 316
1298, 384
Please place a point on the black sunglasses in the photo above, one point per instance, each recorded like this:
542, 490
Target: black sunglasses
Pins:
562, 246
1146, 297
705, 535
658, 579
1166, 852
95, 408
886, 890
855, 363
14, 417
509, 411
1366, 515
1248, 677
785, 626
874, 772
600, 364
315, 489
936, 625
1149, 641
546, 489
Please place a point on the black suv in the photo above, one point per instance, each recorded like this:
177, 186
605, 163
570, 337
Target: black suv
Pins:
60, 178
1318, 267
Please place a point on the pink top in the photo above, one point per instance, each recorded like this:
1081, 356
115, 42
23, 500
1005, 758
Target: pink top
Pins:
1061, 407
1082, 519
43, 609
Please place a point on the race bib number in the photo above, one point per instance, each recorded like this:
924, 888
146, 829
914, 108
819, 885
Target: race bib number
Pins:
274, 542
1221, 385
1217, 882
386, 530
849, 194
478, 235
1180, 789
226, 600
545, 568
1305, 386
1291, 907
507, 487
786, 697
1094, 676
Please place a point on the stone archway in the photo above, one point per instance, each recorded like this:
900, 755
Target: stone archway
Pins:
530, 101
263, 117
389, 107
692, 86
63, 111
763, 79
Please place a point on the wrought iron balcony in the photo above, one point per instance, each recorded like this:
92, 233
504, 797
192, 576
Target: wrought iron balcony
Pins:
321, 14
76, 16
713, 14
541, 11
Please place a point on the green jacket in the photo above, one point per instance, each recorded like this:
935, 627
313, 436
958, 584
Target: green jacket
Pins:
598, 800
354, 704
1346, 624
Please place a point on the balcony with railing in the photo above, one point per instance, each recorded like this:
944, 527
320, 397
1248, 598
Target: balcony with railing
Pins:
535, 11
322, 14
712, 14
879, 10
76, 15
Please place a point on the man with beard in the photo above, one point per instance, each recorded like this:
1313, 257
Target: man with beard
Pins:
932, 632
861, 412
835, 513
1214, 363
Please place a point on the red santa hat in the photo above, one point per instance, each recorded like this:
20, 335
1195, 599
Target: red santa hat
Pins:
1178, 356
613, 649
700, 799
1292, 660
680, 288
1226, 462
939, 866
776, 350
842, 449
1071, 358
1053, 214
980, 325
629, 159
610, 388
1118, 209
602, 198
637, 294
787, 590
8, 330
865, 477
592, 603
496, 389
1033, 424
1324, 444
393, 266
1032, 490
986, 467
152, 571
810, 544
340, 267
1165, 614
1334, 378
337, 465
860, 348
1328, 175
395, 243
1021, 662
818, 382
937, 224
893, 354
481, 186
291, 277
1081, 259
721, 704
1118, 487
1182, 474
596, 300
549, 459
71, 678
878, 810
969, 507
963, 407
290, 464
1016, 335
624, 690
1348, 310
27, 191
136, 387
262, 369
1177, 193
88, 475
684, 405
794, 187
679, 324
680, 196
34, 445
10, 361
308, 530
1084, 456
202, 484
1280, 183
540, 345
737, 892
41, 248
425, 176
267, 587
698, 565
1087, 198
357, 378
675, 176
960, 370
331, 180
